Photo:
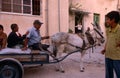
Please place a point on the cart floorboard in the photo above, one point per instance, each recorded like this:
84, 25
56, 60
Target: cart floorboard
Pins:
35, 57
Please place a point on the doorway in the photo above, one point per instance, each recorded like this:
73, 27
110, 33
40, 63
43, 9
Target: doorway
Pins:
78, 22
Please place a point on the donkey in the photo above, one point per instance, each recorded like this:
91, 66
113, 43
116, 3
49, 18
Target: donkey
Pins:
68, 42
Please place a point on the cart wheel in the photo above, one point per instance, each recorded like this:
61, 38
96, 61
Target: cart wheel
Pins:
10, 69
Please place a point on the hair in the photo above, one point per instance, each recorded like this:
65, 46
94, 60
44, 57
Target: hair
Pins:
113, 15
13, 26
1, 27
37, 22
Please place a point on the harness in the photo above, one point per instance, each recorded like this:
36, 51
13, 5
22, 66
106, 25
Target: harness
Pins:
66, 42
89, 38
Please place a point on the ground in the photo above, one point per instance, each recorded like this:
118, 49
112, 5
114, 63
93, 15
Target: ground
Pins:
94, 67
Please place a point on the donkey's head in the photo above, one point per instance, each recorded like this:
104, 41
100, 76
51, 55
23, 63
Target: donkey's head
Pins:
94, 36
99, 36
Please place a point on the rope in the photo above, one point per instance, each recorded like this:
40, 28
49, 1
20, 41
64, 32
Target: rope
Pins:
56, 60
63, 57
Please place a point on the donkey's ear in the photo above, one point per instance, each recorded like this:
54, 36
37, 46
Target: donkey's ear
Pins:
99, 32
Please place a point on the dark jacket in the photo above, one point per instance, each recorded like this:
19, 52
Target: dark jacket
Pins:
14, 39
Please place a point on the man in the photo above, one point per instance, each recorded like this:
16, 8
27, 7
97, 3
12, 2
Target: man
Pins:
112, 47
15, 38
3, 38
34, 38
78, 28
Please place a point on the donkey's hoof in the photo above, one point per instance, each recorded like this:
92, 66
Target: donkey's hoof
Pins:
99, 44
57, 70
81, 70
62, 71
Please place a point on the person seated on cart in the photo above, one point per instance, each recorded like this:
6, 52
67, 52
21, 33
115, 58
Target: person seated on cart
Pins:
33, 39
3, 38
15, 39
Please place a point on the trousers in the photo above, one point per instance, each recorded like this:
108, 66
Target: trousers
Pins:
112, 66
39, 46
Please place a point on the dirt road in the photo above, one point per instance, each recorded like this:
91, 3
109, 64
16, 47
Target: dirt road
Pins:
94, 67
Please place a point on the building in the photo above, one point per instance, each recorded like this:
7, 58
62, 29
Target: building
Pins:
57, 15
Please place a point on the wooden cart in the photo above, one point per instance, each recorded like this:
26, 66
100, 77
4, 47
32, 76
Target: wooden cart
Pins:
11, 65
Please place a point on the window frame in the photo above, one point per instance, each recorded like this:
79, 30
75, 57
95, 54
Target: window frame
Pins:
96, 20
22, 6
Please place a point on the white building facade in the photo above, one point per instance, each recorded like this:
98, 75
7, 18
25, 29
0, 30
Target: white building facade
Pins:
57, 15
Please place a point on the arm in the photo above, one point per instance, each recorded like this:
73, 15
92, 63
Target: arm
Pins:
24, 36
118, 39
4, 41
45, 37
26, 41
25, 44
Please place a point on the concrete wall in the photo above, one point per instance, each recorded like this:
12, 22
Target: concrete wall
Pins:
24, 21
58, 16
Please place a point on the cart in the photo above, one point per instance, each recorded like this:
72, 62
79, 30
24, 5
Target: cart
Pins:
12, 65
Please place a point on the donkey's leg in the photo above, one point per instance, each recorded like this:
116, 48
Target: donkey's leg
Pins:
59, 66
60, 50
61, 69
81, 61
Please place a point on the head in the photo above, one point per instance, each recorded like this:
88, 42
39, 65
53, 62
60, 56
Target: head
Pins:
14, 27
1, 29
112, 18
37, 24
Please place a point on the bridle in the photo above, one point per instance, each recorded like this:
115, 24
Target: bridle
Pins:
100, 34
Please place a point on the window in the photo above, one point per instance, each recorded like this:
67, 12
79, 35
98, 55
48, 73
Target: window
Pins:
16, 6
96, 20
36, 7
21, 6
27, 6
6, 5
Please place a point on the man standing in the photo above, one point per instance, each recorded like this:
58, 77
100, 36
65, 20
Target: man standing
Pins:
112, 47
34, 38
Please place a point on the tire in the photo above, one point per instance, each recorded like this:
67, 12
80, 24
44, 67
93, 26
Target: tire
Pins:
10, 69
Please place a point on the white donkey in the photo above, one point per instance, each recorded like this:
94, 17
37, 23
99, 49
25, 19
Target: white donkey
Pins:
67, 42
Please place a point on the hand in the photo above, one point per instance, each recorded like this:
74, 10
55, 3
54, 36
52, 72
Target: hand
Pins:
24, 48
1, 48
103, 51
47, 37
27, 33
118, 45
